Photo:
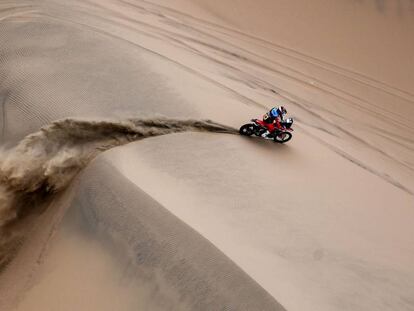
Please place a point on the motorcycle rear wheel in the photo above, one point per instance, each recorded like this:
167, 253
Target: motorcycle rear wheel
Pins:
247, 130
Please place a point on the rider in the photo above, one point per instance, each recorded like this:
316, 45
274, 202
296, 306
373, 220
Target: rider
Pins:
272, 119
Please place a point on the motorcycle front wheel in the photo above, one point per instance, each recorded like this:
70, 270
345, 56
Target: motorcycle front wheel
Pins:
282, 137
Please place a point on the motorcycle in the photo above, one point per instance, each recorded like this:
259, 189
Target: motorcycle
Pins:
257, 127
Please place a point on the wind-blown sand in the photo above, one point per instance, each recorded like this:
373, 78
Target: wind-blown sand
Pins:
185, 216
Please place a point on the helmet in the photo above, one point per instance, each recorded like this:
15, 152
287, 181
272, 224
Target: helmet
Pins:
282, 110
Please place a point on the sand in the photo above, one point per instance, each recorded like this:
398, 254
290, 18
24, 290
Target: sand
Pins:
189, 215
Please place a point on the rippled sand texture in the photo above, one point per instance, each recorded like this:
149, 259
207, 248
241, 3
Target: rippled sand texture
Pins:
181, 215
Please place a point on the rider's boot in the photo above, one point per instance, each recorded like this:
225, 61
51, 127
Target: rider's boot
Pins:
265, 135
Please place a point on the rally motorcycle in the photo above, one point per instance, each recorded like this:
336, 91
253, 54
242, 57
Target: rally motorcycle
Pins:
257, 127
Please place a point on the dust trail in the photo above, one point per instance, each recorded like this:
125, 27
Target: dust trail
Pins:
45, 162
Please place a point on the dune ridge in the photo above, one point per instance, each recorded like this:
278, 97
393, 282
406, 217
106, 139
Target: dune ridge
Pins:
45, 162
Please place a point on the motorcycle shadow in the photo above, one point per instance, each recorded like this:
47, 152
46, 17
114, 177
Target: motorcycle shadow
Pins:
265, 144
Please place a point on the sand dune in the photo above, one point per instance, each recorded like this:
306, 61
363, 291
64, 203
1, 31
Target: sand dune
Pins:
184, 217
341, 34
132, 254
